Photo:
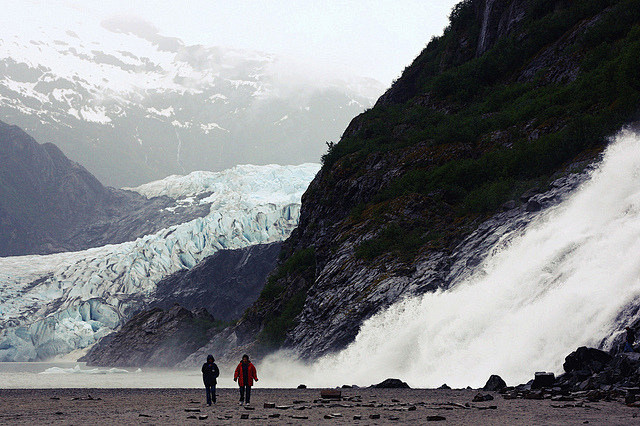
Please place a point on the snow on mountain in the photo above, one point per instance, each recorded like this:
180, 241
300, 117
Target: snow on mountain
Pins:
132, 105
54, 304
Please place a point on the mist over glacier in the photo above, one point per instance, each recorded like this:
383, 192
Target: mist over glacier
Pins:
54, 304
562, 282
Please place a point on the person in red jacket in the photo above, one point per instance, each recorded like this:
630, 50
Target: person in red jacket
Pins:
245, 375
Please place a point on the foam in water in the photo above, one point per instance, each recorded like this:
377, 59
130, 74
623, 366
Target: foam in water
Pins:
560, 284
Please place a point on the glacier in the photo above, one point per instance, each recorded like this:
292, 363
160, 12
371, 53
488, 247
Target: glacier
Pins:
54, 304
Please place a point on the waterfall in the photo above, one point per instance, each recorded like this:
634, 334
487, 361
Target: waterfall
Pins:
560, 284
485, 27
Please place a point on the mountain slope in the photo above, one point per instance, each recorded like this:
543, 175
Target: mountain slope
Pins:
225, 284
50, 204
132, 105
513, 93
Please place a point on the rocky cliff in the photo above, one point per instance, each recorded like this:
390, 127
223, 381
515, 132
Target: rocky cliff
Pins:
225, 284
153, 338
468, 144
50, 204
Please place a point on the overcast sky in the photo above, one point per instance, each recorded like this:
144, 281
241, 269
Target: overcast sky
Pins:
372, 38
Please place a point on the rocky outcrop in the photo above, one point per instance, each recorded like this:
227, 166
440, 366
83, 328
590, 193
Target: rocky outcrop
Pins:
153, 338
225, 284
391, 384
50, 204
590, 368
495, 383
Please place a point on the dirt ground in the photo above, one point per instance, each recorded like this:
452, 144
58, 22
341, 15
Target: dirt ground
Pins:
293, 406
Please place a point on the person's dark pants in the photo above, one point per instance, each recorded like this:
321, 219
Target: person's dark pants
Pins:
246, 393
211, 393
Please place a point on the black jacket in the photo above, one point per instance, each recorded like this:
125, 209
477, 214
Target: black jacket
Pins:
210, 373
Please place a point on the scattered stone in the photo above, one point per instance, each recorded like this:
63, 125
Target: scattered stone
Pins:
495, 383
436, 418
444, 386
394, 418
87, 398
298, 401
55, 397
374, 416
59, 413
533, 395
346, 386
143, 415
391, 384
357, 417
274, 416
543, 380
192, 417
331, 394
328, 416
192, 410
481, 398
302, 386
395, 400
562, 398
298, 417
412, 408
336, 414
269, 405
244, 416
283, 407
249, 407
490, 407
203, 417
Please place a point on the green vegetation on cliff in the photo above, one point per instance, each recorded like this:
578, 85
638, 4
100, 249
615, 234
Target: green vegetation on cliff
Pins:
487, 115
540, 98
290, 303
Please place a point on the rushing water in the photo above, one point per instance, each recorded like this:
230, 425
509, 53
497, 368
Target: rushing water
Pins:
560, 284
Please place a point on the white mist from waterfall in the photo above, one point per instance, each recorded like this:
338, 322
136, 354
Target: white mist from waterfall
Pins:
559, 284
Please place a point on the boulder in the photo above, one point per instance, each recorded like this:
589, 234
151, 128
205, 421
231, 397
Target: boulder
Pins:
392, 384
588, 359
331, 394
495, 383
543, 380
481, 398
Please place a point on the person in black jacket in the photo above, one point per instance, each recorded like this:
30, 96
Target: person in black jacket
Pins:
210, 374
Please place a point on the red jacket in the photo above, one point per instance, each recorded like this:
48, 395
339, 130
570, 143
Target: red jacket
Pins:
253, 375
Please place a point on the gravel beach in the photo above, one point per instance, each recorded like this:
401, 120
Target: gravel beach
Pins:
365, 406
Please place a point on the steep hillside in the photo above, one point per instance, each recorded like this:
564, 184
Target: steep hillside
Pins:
50, 204
513, 95
225, 284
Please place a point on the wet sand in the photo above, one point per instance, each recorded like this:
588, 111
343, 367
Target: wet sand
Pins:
406, 406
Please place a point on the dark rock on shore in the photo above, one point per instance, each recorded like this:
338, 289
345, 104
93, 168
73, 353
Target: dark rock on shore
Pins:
495, 383
592, 369
591, 375
482, 397
153, 338
543, 380
586, 359
392, 384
